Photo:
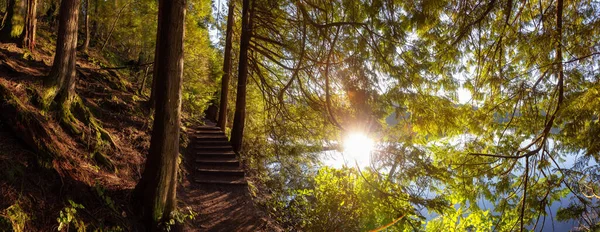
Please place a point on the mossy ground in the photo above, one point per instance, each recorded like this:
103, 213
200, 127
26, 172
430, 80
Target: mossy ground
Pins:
89, 152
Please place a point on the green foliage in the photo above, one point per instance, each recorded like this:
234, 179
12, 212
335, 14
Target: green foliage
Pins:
110, 229
321, 69
101, 192
179, 217
201, 62
345, 200
133, 39
68, 217
17, 218
462, 221
17, 25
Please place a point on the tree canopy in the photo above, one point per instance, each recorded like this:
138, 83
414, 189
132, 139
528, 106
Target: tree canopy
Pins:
396, 71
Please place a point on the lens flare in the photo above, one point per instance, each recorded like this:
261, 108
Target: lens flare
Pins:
357, 148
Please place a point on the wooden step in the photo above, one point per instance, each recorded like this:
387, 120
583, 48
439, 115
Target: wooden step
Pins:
214, 161
218, 177
214, 149
232, 162
220, 173
209, 152
209, 138
224, 182
210, 132
201, 142
213, 146
205, 128
215, 156
228, 164
226, 167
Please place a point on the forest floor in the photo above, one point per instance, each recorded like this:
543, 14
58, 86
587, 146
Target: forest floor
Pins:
83, 186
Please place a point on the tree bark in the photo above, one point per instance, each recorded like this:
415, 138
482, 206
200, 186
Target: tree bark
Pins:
29, 31
156, 189
7, 26
86, 43
94, 29
222, 123
152, 99
237, 130
60, 83
144, 79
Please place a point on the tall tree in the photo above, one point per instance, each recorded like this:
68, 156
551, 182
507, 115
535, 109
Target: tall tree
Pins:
29, 31
60, 84
222, 123
156, 189
152, 99
7, 24
237, 131
86, 43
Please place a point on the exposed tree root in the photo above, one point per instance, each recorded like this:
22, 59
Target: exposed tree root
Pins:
99, 138
87, 118
103, 160
68, 120
30, 126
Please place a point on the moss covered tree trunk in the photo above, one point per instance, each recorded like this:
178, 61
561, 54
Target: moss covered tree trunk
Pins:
237, 131
60, 84
29, 31
7, 26
156, 189
222, 123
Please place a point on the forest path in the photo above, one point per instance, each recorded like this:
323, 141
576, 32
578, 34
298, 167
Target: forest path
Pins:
214, 186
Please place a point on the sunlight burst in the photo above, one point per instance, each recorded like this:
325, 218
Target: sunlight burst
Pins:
357, 148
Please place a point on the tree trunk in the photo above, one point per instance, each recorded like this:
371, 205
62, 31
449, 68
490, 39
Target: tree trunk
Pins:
222, 123
94, 30
152, 99
86, 43
156, 189
237, 130
7, 26
60, 83
29, 31
144, 79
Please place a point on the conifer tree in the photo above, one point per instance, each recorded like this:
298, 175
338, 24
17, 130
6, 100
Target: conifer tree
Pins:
156, 191
60, 84
222, 123
237, 131
7, 22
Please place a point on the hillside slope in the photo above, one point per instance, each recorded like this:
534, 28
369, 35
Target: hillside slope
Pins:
52, 178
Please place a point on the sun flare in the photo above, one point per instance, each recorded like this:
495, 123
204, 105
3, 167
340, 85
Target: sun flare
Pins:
357, 148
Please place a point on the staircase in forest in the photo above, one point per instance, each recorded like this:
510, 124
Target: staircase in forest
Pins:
214, 161
215, 186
